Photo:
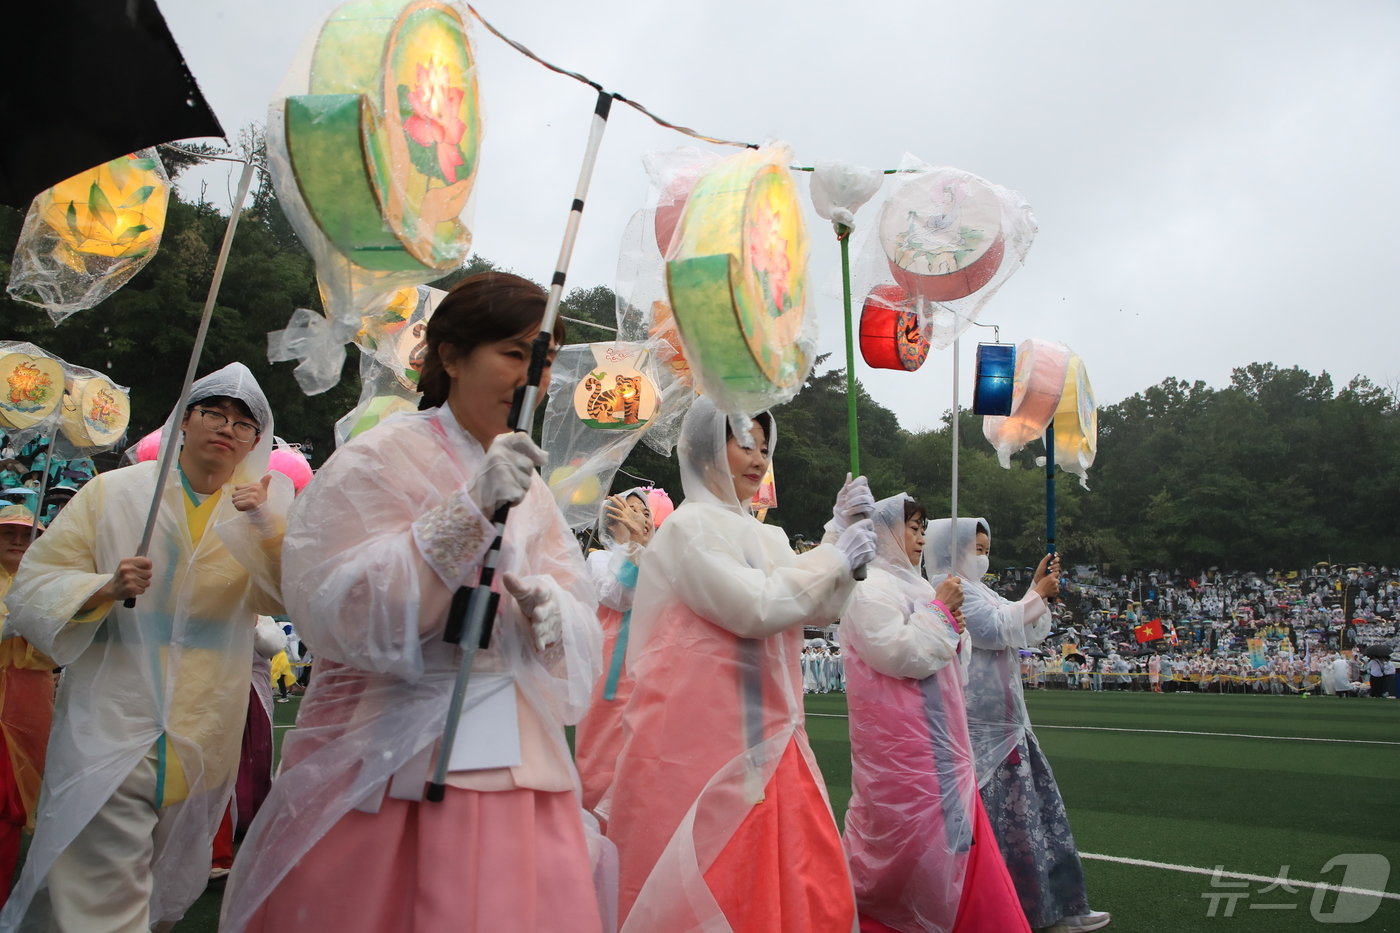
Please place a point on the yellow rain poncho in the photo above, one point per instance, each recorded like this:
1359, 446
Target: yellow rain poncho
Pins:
166, 681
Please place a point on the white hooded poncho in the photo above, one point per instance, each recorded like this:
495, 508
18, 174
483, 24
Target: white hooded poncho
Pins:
996, 706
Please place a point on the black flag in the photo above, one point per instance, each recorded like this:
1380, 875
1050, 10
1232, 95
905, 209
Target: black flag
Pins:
85, 81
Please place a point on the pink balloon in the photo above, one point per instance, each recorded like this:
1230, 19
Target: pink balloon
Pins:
292, 463
148, 447
661, 505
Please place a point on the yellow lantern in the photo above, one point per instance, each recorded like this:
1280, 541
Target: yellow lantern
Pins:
88, 235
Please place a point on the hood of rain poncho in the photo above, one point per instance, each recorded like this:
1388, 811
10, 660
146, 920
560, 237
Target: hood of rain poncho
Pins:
938, 559
704, 457
890, 555
235, 381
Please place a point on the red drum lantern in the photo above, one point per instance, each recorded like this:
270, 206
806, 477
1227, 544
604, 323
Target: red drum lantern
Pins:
892, 333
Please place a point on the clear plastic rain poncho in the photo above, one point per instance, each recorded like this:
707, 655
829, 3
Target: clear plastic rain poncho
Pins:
944, 243
167, 678
996, 706
376, 546
85, 237
915, 811
715, 723
614, 570
373, 145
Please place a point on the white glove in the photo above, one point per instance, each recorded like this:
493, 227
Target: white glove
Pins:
857, 543
854, 502
505, 475
541, 609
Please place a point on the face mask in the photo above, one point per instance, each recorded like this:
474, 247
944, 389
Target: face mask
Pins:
980, 564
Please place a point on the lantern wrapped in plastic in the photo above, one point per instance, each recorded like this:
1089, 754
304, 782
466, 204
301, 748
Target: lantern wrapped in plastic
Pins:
31, 390
945, 242
602, 398
1035, 396
737, 281
95, 410
995, 376
892, 334
644, 312
85, 237
1051, 387
1076, 423
375, 164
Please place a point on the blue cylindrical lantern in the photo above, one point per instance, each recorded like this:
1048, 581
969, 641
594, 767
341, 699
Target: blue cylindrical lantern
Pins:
996, 372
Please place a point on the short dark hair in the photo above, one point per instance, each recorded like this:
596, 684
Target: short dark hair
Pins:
480, 309
913, 508
763, 419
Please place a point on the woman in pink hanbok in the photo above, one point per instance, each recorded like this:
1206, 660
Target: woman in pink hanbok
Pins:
717, 808
625, 529
923, 856
391, 526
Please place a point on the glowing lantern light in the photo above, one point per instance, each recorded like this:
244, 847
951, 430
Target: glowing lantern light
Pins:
88, 235
995, 376
892, 335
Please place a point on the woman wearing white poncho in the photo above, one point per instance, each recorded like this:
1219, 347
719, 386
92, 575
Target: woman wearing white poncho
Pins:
145, 744
717, 807
922, 854
1017, 786
377, 544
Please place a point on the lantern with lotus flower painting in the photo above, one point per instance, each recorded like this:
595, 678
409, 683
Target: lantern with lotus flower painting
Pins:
85, 237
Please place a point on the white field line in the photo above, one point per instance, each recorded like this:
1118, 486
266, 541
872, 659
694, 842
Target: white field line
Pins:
1228, 735
1242, 876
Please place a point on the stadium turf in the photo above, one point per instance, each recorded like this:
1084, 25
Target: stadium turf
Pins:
1163, 795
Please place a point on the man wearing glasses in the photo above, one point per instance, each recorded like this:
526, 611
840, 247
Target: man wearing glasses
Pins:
149, 714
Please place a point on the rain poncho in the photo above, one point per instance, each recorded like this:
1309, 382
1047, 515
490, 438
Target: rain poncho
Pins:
718, 810
1014, 778
996, 707
915, 812
598, 738
376, 546
166, 680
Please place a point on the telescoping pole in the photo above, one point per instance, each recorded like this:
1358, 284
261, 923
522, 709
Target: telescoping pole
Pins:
473, 609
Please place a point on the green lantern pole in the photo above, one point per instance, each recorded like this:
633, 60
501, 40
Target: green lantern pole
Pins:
843, 236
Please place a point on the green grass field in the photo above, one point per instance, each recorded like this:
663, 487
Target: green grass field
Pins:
1252, 805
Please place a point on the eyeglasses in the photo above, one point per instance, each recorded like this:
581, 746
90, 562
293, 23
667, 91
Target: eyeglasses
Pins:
244, 431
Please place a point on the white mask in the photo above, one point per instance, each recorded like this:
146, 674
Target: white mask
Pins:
980, 564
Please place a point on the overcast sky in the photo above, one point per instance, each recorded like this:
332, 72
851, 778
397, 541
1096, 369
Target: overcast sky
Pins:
1215, 181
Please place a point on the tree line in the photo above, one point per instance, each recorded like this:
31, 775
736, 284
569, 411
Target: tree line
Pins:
1278, 469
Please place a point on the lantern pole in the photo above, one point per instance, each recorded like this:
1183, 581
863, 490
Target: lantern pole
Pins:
843, 236
172, 440
473, 609
953, 547
43, 484
1050, 487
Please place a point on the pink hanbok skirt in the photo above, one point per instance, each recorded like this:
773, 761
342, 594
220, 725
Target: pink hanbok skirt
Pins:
478, 861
